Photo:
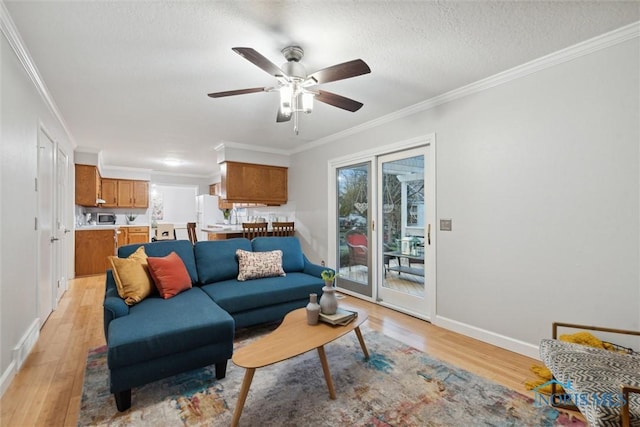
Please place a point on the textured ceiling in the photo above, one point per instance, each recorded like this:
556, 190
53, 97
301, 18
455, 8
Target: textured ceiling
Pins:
131, 77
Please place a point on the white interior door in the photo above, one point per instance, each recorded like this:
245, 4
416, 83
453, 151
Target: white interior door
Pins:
45, 225
61, 248
406, 212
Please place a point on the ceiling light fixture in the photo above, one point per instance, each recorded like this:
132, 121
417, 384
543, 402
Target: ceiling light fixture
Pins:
296, 87
294, 99
173, 162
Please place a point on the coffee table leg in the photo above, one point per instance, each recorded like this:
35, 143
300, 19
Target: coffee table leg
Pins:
327, 374
362, 344
244, 391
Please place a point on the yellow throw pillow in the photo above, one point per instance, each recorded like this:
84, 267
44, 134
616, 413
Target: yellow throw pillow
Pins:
132, 276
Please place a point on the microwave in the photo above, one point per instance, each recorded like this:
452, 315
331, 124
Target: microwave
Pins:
105, 218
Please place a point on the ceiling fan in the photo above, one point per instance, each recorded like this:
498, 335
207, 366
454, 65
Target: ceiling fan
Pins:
296, 87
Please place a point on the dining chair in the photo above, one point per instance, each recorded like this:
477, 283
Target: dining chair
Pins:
191, 230
282, 229
254, 229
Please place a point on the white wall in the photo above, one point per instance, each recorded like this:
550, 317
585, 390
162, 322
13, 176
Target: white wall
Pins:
540, 176
22, 111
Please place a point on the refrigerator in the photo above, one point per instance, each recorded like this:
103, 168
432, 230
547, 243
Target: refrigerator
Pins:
207, 214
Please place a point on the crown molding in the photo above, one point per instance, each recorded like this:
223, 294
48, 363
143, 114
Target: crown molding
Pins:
14, 39
251, 147
586, 47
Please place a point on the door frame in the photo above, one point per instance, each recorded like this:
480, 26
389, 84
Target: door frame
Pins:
47, 292
371, 155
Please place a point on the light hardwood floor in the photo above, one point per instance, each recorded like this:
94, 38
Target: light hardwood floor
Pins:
47, 389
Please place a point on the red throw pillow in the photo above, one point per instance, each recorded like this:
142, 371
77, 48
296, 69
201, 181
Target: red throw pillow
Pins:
169, 274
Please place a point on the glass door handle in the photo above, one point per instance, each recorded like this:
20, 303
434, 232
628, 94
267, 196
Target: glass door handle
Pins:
429, 234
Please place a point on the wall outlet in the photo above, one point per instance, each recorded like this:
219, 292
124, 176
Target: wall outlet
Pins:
445, 225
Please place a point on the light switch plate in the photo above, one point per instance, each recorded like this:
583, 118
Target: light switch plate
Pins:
445, 225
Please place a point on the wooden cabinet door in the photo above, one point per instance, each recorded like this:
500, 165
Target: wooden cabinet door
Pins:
109, 193
92, 249
123, 236
125, 193
140, 194
87, 185
251, 183
138, 235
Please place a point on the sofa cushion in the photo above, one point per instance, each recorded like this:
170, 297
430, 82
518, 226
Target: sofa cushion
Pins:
183, 248
234, 296
132, 277
216, 259
158, 327
169, 275
292, 257
255, 265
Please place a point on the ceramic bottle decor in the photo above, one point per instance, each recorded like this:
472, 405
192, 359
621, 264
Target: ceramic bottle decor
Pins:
313, 310
328, 300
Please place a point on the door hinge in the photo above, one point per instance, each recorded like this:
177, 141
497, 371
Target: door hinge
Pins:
35, 224
36, 184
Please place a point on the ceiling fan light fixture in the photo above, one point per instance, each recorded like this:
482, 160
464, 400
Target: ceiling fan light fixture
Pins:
296, 86
307, 102
286, 95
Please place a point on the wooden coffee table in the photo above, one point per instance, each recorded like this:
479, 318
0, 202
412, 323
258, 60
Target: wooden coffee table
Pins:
292, 338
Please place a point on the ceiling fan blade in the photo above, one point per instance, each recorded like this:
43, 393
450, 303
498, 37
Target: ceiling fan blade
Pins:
338, 101
237, 92
282, 117
346, 70
257, 59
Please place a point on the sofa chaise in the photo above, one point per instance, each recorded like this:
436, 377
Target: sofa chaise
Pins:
157, 338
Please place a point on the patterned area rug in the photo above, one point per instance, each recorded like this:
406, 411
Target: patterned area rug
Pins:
398, 386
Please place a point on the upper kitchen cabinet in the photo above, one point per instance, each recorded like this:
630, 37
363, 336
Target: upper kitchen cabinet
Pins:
140, 194
125, 193
252, 183
109, 193
87, 185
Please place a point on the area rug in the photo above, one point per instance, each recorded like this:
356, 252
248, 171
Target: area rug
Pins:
397, 386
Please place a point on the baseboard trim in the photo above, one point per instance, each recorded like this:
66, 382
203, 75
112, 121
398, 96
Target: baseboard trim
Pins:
490, 337
7, 377
26, 344
20, 354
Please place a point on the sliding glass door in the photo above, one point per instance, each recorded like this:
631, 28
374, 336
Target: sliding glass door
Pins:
405, 235
353, 240
384, 210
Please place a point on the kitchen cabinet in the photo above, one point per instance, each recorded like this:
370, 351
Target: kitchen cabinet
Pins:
92, 249
110, 193
215, 190
88, 185
140, 194
137, 235
253, 183
131, 235
122, 236
125, 193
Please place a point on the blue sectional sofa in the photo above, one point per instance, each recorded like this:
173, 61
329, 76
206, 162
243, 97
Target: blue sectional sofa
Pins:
157, 337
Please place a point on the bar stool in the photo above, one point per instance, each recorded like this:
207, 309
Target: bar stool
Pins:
282, 229
254, 229
191, 230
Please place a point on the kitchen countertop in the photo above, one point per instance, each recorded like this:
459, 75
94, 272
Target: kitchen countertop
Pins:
108, 227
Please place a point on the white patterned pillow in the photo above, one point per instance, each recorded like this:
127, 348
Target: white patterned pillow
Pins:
254, 265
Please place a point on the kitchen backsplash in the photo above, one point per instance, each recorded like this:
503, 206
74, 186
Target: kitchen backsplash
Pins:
142, 215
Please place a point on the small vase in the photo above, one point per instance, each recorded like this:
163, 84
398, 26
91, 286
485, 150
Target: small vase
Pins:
313, 310
328, 300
